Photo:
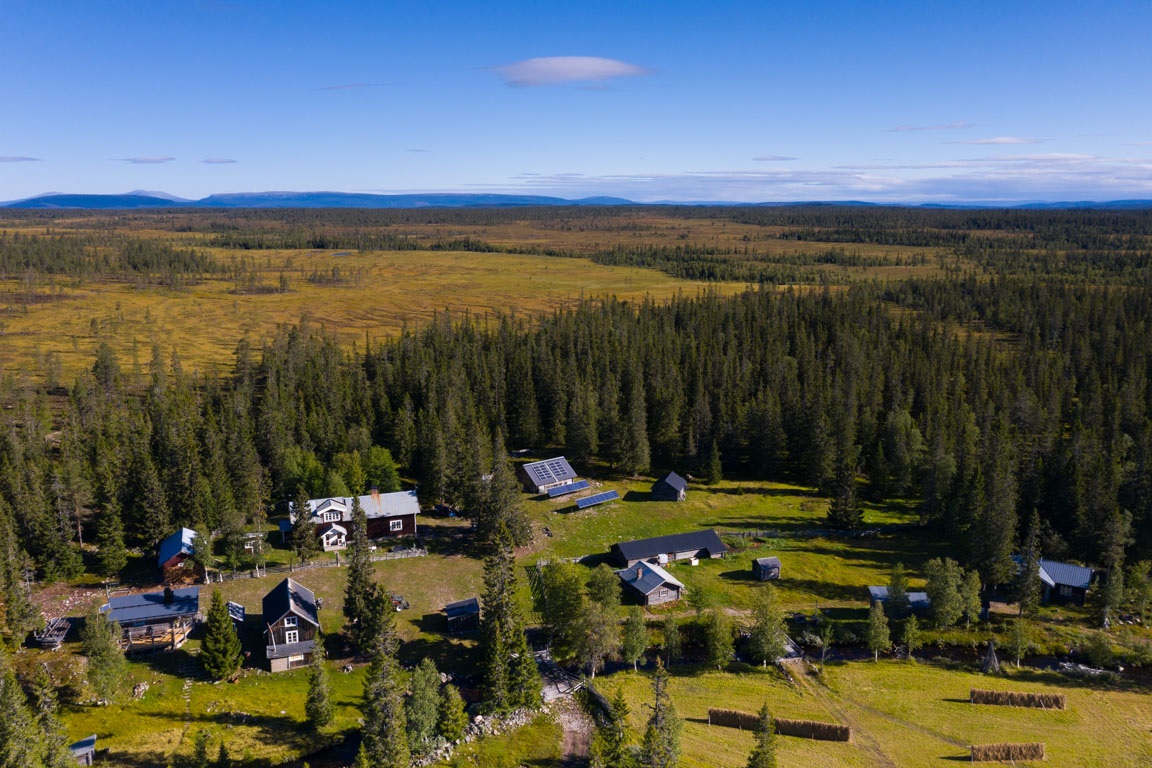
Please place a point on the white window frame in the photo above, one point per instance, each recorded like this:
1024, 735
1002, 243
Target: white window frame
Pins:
1065, 590
291, 636
395, 525
289, 622
298, 659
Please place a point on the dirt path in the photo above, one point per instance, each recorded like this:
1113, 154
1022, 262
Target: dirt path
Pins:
578, 728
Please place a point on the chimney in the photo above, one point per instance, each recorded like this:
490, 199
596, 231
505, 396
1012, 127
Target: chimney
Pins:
168, 596
376, 493
639, 572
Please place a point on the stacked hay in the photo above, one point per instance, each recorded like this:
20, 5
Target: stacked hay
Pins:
805, 729
1018, 699
987, 753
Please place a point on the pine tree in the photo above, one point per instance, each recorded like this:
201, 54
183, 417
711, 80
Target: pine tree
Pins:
453, 718
422, 707
944, 581
113, 556
766, 637
878, 637
220, 651
19, 616
635, 639
507, 666
107, 668
499, 508
661, 747
318, 706
610, 743
358, 588
971, 604
19, 735
764, 753
898, 592
635, 457
713, 469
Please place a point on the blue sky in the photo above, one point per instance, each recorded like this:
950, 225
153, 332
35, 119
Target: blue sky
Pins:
751, 101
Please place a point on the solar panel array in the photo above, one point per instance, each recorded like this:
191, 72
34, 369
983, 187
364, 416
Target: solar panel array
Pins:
550, 470
564, 490
599, 498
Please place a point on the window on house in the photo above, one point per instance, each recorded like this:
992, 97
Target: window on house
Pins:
292, 636
296, 659
1065, 590
289, 621
663, 592
395, 525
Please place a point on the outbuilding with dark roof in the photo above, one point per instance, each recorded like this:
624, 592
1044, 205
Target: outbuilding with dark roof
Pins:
671, 487
463, 616
650, 583
766, 568
176, 549
666, 549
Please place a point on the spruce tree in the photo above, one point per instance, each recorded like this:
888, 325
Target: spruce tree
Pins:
507, 666
107, 668
318, 706
19, 735
358, 589
670, 632
661, 746
385, 740
19, 616
422, 707
713, 469
944, 581
305, 543
610, 743
635, 638
1028, 578
52, 736
878, 637
453, 718
764, 753
971, 603
113, 556
499, 508
898, 592
220, 651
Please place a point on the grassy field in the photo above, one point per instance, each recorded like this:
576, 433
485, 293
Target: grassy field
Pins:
905, 714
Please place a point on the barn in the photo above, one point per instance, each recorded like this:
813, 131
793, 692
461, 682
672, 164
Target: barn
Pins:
671, 487
667, 549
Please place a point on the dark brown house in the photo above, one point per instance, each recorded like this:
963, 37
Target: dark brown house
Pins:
290, 626
671, 487
389, 515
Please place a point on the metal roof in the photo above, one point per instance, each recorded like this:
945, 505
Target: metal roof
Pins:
771, 562
84, 746
1065, 573
389, 504
673, 480
151, 606
915, 599
646, 577
290, 596
550, 471
179, 542
706, 540
462, 608
283, 650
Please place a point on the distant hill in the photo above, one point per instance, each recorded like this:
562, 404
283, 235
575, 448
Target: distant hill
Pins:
147, 199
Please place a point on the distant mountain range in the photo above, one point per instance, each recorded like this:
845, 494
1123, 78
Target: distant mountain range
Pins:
145, 199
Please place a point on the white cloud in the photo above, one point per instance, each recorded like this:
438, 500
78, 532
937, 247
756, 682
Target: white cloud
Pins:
148, 159
939, 127
772, 158
218, 161
556, 70
1000, 140
18, 159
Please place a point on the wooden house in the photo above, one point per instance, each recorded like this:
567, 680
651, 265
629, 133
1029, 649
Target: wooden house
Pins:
154, 621
918, 602
175, 550
650, 584
671, 487
463, 616
332, 536
84, 751
666, 549
766, 568
290, 626
541, 476
389, 515
1064, 582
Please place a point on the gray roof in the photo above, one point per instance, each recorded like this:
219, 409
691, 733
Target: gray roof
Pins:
462, 608
550, 471
290, 596
678, 542
768, 562
84, 746
374, 505
179, 542
646, 577
673, 480
1054, 573
915, 599
150, 606
283, 650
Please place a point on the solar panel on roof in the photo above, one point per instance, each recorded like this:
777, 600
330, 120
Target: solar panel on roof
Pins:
564, 490
600, 498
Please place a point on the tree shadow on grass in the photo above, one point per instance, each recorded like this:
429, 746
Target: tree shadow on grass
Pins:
638, 496
825, 590
450, 654
744, 574
741, 490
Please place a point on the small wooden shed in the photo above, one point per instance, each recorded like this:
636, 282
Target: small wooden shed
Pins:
671, 487
766, 568
463, 616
